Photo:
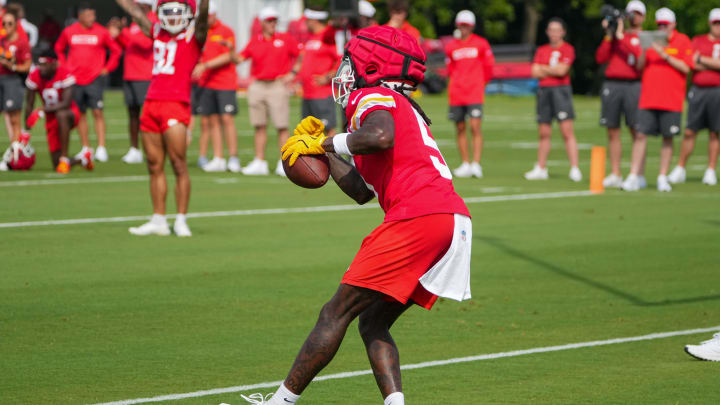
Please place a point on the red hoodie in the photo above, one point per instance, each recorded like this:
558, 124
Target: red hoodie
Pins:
87, 51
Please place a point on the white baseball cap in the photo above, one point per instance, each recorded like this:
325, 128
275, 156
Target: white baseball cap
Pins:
465, 17
316, 14
714, 15
366, 9
212, 7
267, 13
146, 2
636, 5
664, 16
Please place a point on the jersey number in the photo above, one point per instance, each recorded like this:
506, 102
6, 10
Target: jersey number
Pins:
429, 141
164, 56
51, 97
716, 51
554, 58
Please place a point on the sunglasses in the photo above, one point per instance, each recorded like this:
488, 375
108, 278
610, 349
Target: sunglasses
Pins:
663, 25
8, 23
715, 22
271, 20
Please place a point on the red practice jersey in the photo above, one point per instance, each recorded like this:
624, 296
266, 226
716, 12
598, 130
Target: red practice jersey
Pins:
138, 47
18, 50
87, 51
547, 55
663, 86
621, 57
219, 37
319, 59
174, 58
51, 90
470, 64
411, 179
271, 58
708, 48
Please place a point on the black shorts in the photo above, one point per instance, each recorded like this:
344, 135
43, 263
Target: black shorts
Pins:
90, 95
135, 92
322, 109
212, 101
554, 103
195, 100
12, 93
659, 122
703, 109
458, 113
619, 98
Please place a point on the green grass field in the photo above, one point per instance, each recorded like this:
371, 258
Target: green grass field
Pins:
89, 313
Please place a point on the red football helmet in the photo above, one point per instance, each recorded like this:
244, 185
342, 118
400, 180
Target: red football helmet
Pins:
20, 156
175, 15
379, 54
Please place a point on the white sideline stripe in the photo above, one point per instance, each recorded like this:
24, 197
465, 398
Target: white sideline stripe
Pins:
118, 179
515, 353
324, 208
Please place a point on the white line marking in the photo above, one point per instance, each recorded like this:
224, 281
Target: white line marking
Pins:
491, 356
118, 179
269, 211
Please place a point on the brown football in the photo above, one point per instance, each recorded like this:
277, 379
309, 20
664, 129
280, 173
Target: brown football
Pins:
309, 171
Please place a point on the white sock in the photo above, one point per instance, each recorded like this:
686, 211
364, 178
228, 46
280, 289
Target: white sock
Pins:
283, 396
180, 218
396, 398
158, 219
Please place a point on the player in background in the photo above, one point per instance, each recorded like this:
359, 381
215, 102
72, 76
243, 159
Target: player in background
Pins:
178, 38
87, 45
662, 97
137, 72
316, 67
272, 54
552, 65
708, 350
55, 85
399, 12
15, 60
422, 248
703, 102
620, 93
470, 62
217, 99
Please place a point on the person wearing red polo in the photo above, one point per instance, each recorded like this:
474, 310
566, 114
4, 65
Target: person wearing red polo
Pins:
83, 48
15, 61
703, 102
470, 64
665, 69
272, 54
399, 11
551, 66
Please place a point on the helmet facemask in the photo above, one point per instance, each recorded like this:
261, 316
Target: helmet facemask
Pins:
344, 82
175, 16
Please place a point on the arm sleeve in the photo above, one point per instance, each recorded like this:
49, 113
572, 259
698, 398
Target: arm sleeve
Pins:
366, 104
536, 58
488, 62
569, 56
60, 47
686, 53
602, 55
115, 52
30, 82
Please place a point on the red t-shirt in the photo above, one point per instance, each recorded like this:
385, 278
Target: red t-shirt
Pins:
138, 62
621, 57
51, 90
710, 49
87, 51
547, 55
470, 63
19, 50
223, 77
319, 58
412, 178
271, 57
663, 87
175, 57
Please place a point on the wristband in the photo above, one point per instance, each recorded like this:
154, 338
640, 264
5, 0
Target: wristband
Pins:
340, 144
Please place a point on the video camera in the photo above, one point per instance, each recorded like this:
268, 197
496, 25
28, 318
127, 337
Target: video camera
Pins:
611, 15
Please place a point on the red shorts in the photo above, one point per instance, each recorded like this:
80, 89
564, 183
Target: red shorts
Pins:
52, 128
396, 254
159, 115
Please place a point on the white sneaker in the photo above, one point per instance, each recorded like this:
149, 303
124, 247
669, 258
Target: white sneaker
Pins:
631, 183
279, 170
612, 181
663, 184
710, 177
677, 175
151, 228
463, 171
708, 350
202, 161
234, 164
3, 166
257, 398
217, 164
80, 155
476, 170
642, 183
256, 168
181, 229
101, 154
575, 174
133, 156
537, 173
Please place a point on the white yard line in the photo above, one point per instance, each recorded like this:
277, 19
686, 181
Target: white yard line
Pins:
52, 182
268, 211
515, 353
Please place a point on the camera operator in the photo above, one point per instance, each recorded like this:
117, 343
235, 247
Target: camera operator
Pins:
620, 50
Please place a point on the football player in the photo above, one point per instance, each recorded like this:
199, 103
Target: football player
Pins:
395, 158
178, 39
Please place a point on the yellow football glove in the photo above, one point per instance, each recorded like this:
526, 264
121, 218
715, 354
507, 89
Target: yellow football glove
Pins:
309, 126
302, 145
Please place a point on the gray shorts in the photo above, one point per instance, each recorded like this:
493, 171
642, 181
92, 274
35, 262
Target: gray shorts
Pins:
212, 101
554, 103
458, 113
619, 97
703, 109
659, 122
322, 109
135, 92
90, 95
12, 93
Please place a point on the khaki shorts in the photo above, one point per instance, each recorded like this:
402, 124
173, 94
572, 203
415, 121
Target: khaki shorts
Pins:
271, 97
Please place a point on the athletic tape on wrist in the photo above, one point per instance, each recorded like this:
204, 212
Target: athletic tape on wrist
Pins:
340, 144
